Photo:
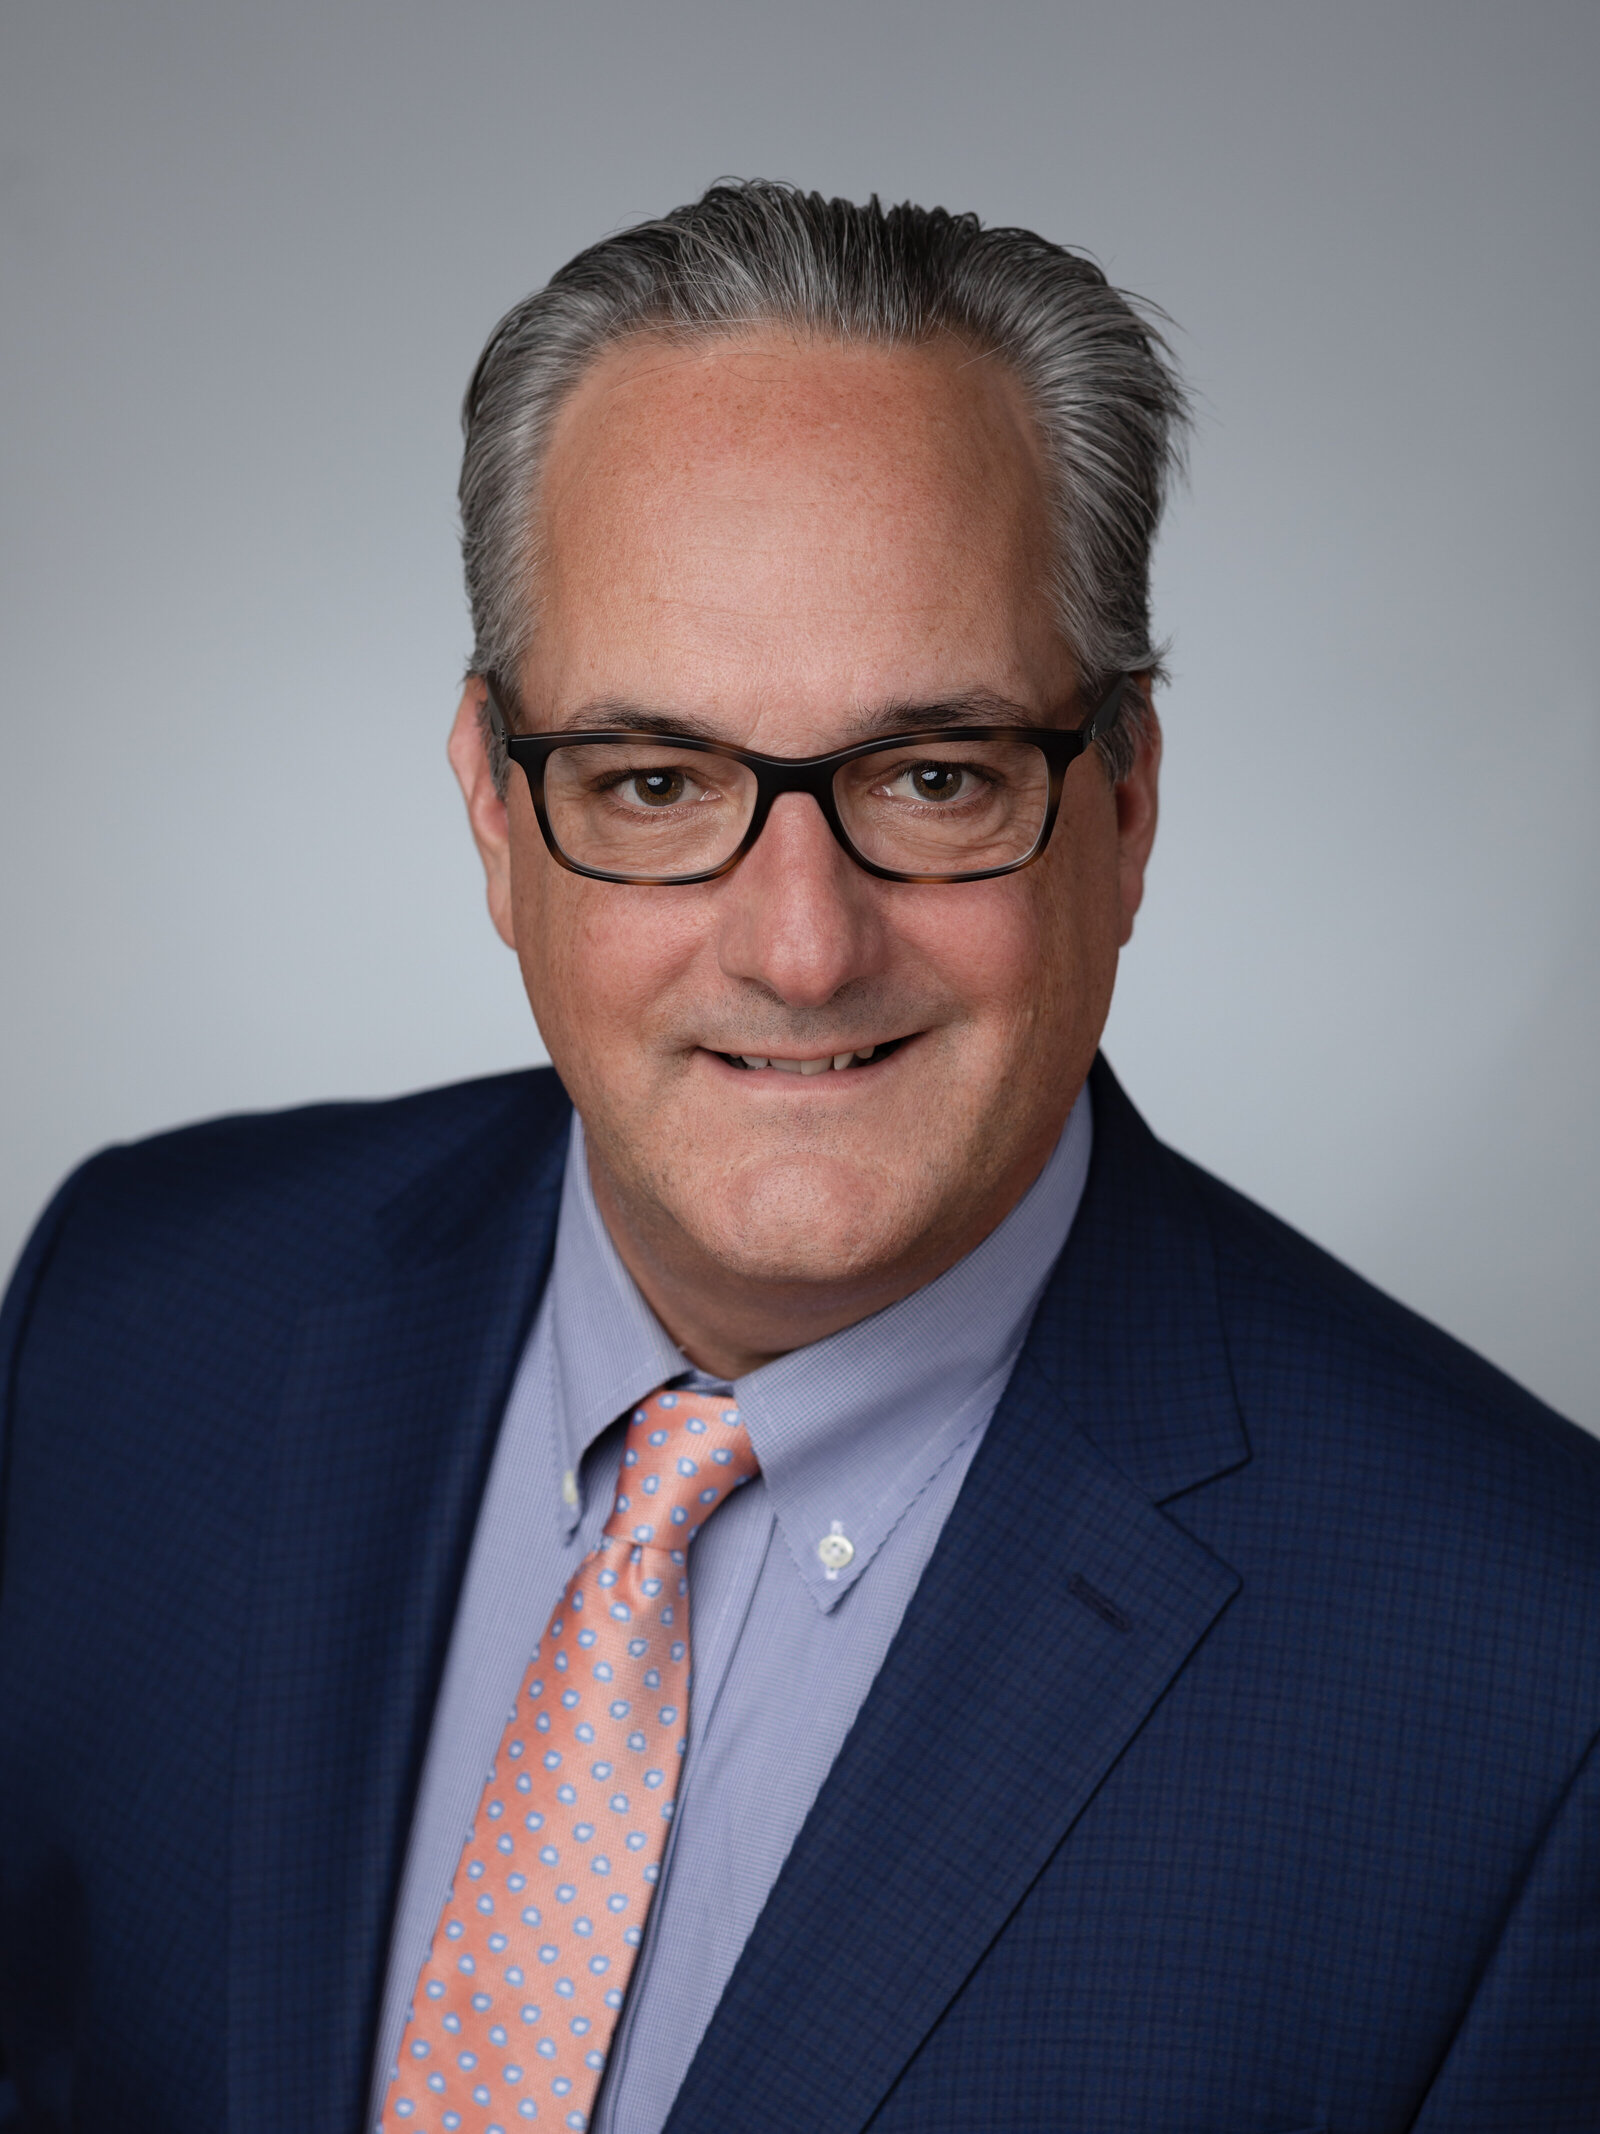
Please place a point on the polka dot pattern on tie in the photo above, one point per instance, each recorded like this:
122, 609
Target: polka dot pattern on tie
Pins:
518, 2000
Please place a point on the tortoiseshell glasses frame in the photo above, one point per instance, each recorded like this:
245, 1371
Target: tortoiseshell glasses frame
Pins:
775, 775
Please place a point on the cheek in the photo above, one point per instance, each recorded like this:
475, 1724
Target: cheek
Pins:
600, 962
1031, 957
1000, 948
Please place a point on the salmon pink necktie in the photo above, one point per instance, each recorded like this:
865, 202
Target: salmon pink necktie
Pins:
520, 1995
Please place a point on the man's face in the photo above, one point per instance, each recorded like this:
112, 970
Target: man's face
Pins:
772, 541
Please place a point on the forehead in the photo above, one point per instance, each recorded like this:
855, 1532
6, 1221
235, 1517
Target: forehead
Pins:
762, 515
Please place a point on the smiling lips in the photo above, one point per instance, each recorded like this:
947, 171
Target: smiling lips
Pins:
834, 1063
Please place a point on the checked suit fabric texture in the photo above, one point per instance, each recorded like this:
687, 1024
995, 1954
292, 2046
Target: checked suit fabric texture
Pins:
1301, 1832
526, 1978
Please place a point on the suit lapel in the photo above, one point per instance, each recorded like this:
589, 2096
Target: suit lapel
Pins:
391, 1408
1057, 1608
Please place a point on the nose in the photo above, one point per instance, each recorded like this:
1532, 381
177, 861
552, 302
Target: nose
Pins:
797, 916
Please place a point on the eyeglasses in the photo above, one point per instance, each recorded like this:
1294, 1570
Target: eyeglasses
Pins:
954, 804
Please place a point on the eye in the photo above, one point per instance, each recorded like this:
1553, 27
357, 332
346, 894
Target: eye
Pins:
932, 783
937, 781
657, 787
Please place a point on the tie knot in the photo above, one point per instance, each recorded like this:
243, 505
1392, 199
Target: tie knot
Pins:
684, 1453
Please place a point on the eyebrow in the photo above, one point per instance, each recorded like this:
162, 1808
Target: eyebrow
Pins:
966, 707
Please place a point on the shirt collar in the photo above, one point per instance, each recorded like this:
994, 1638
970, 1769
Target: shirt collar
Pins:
849, 1430
608, 1347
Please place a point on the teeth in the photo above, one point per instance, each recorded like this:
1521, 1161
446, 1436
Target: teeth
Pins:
839, 1061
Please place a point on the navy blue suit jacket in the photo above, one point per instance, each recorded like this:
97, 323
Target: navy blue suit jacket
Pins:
1233, 1771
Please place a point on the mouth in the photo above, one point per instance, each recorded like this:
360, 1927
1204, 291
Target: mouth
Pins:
829, 1063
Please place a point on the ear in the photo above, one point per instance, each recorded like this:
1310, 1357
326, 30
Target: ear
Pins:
486, 811
1137, 804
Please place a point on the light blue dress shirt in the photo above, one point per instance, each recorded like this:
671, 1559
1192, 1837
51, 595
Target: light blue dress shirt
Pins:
866, 1435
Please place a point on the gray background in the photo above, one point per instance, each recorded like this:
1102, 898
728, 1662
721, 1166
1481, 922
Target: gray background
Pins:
249, 256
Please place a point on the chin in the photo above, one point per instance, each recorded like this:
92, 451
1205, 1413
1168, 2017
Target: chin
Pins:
816, 1221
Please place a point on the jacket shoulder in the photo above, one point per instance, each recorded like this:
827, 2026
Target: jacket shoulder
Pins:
1329, 1368
289, 1198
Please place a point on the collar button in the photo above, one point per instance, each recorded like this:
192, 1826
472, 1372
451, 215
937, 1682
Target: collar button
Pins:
835, 1550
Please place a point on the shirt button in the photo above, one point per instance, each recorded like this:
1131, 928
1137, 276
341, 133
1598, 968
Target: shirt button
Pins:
835, 1550
569, 1487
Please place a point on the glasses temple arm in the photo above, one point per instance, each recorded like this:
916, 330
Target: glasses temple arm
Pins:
1104, 716
491, 700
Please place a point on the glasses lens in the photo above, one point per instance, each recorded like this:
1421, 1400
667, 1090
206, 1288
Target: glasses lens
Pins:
649, 810
951, 807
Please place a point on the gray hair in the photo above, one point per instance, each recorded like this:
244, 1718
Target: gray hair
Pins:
1107, 400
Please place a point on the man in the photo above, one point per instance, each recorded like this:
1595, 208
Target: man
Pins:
1142, 1678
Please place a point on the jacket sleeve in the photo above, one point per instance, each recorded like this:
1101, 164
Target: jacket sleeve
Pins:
1526, 2058
14, 1314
